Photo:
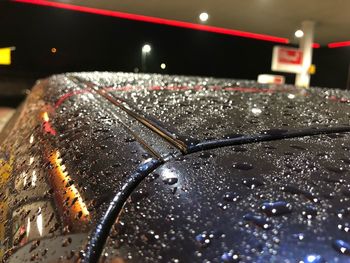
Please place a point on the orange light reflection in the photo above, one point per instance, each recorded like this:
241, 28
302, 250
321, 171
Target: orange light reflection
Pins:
67, 194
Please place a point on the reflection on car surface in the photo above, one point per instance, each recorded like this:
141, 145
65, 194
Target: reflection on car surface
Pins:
124, 167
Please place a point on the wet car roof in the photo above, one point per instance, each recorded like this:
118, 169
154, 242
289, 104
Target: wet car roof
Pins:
82, 142
206, 108
60, 167
280, 201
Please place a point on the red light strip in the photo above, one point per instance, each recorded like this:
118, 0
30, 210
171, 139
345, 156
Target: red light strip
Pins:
156, 20
316, 45
339, 44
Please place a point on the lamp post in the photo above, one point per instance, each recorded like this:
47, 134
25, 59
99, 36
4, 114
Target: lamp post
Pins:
146, 49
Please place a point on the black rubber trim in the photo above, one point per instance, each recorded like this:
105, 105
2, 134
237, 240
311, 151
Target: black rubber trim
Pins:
99, 236
246, 139
134, 113
147, 122
195, 146
139, 139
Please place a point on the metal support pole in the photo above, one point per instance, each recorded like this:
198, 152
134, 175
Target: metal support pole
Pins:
143, 61
303, 78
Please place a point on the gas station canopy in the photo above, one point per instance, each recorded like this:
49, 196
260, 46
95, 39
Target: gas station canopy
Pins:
268, 17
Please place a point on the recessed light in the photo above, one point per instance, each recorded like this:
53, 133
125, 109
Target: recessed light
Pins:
204, 17
299, 33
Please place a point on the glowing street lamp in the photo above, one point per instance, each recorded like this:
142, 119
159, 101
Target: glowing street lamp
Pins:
146, 49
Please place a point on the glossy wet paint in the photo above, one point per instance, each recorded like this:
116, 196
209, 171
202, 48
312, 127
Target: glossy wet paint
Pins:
280, 201
74, 153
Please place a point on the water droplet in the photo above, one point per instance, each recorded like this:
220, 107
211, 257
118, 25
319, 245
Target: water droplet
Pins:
230, 257
274, 131
345, 160
205, 155
294, 190
243, 166
138, 195
276, 208
342, 246
335, 169
66, 242
239, 149
152, 177
344, 227
309, 212
231, 197
297, 147
312, 258
170, 181
343, 213
34, 245
258, 220
252, 183
233, 136
335, 135
223, 206
204, 239
299, 236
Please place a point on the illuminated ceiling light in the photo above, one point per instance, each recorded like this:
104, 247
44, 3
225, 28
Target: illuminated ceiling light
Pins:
53, 50
204, 17
299, 33
146, 48
163, 66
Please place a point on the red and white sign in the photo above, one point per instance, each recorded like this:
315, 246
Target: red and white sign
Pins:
285, 59
271, 79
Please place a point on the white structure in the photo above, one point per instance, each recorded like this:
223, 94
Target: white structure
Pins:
271, 79
303, 78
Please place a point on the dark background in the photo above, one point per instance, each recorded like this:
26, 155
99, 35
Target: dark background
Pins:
88, 42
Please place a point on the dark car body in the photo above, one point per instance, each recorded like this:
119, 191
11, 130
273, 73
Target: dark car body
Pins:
119, 167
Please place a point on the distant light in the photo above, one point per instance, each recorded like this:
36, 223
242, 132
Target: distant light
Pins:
45, 116
146, 48
163, 66
5, 56
299, 33
53, 50
291, 96
204, 17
